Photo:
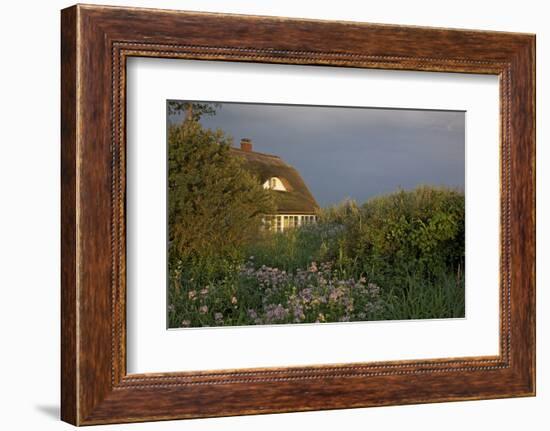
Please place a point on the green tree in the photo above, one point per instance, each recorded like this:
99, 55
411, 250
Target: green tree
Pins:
215, 205
192, 110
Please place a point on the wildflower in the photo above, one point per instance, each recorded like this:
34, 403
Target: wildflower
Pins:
275, 313
233, 300
185, 323
254, 316
306, 295
218, 317
192, 294
335, 294
373, 307
298, 313
373, 289
204, 291
203, 309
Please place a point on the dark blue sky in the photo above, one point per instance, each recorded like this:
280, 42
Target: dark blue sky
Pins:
353, 153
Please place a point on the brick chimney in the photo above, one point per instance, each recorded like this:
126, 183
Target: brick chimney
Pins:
246, 145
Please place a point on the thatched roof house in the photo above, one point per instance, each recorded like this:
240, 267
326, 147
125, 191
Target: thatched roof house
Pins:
295, 203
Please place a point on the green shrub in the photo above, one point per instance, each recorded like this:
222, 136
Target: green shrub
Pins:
408, 233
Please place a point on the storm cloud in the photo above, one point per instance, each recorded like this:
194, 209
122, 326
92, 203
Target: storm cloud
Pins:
356, 153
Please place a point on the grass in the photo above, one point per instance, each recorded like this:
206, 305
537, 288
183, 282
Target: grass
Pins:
301, 276
421, 300
398, 258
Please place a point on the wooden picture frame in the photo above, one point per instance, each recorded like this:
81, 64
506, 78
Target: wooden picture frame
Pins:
95, 43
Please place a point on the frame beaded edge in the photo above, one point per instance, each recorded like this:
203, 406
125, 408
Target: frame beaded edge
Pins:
123, 49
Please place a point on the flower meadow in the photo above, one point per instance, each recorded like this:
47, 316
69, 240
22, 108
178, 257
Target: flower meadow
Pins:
266, 295
400, 256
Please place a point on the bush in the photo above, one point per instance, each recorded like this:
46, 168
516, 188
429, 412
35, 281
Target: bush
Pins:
417, 233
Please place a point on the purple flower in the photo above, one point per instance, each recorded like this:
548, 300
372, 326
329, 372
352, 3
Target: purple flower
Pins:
306, 294
275, 313
298, 313
373, 289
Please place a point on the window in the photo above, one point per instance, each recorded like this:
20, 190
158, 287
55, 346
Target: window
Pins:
275, 183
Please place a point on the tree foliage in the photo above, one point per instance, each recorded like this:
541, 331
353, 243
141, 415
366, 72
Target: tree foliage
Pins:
214, 205
192, 110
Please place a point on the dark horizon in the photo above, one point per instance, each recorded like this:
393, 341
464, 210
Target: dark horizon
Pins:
349, 152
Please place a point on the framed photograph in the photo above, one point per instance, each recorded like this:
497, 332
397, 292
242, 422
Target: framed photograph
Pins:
265, 215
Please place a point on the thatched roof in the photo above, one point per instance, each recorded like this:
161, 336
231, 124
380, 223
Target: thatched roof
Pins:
297, 199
